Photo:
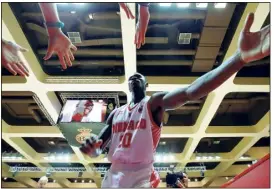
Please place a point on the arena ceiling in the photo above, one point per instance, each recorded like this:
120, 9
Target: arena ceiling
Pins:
226, 131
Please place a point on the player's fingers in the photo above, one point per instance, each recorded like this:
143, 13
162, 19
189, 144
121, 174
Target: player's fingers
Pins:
73, 47
22, 49
71, 56
10, 69
62, 61
18, 70
23, 69
83, 148
67, 58
48, 55
248, 22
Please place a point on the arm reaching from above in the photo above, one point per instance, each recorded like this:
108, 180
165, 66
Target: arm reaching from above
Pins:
58, 42
252, 47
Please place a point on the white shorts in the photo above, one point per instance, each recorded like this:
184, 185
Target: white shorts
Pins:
131, 176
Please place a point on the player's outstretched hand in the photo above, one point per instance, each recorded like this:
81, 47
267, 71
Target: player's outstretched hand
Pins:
59, 43
141, 27
127, 10
11, 59
90, 146
254, 45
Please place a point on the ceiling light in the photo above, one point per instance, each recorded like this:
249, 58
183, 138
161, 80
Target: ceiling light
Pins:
165, 158
248, 165
54, 181
204, 157
165, 4
219, 5
5, 178
226, 178
163, 143
83, 181
210, 157
255, 161
89, 181
198, 158
66, 156
201, 5
75, 181
189, 180
79, 3
183, 5
72, 12
196, 180
51, 142
218, 157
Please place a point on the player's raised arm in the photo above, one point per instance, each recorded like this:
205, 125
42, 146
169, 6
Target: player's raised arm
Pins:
58, 42
252, 47
93, 146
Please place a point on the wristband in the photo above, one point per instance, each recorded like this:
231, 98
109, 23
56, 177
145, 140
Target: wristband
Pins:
54, 24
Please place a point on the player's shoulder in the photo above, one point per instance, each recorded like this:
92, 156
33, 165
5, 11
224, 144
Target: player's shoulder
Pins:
156, 97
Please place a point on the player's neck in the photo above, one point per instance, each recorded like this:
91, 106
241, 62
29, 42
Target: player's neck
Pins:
137, 98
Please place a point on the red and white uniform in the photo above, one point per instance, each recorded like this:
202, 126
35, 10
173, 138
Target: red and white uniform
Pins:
134, 139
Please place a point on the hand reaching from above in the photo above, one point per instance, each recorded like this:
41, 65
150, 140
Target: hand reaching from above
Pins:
11, 59
254, 45
60, 44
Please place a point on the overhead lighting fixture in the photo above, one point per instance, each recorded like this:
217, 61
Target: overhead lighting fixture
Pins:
83, 181
196, 180
204, 157
5, 178
210, 157
89, 181
189, 180
219, 5
163, 143
218, 157
51, 142
226, 178
183, 5
72, 12
248, 165
165, 4
90, 16
54, 181
201, 5
198, 158
75, 181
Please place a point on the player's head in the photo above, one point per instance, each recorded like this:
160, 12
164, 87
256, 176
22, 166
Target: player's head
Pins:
137, 83
88, 107
42, 182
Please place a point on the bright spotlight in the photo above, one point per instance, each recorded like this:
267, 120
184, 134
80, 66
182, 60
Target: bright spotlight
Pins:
183, 5
219, 5
165, 4
210, 157
196, 180
83, 181
226, 178
218, 157
89, 181
248, 165
54, 181
201, 5
5, 178
198, 158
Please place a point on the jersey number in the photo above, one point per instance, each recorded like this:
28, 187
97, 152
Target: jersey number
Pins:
126, 140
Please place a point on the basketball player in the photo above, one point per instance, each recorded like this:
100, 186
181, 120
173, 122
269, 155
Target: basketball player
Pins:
83, 108
134, 129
